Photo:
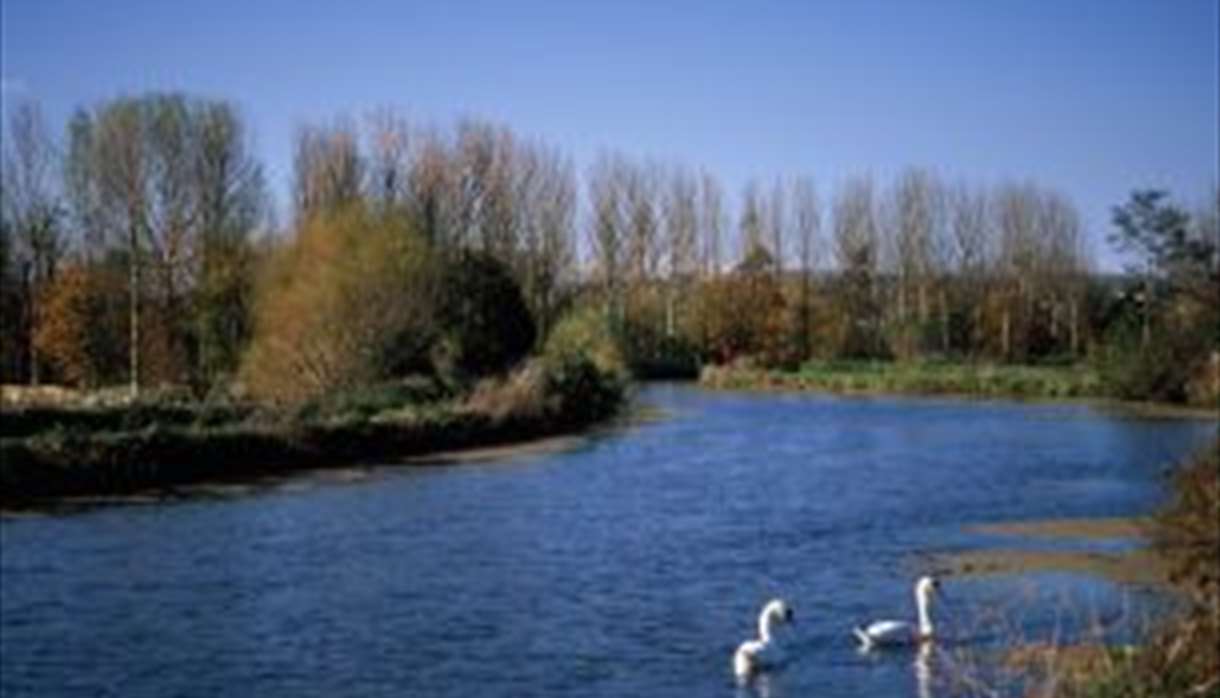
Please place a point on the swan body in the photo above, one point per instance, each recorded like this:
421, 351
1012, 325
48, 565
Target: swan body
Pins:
885, 632
897, 632
766, 652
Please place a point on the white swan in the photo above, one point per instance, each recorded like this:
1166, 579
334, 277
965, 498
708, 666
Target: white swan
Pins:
897, 632
765, 652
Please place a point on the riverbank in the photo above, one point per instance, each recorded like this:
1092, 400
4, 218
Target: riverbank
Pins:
927, 378
1055, 382
52, 454
1174, 550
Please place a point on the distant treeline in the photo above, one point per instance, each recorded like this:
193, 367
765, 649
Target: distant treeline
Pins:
141, 247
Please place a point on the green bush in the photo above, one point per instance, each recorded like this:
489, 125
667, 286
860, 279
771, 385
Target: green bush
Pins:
483, 316
584, 366
585, 332
1158, 372
585, 393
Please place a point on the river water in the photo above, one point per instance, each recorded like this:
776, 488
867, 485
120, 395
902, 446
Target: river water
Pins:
630, 564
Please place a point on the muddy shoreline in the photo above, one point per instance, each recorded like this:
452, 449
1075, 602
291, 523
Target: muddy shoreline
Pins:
1138, 565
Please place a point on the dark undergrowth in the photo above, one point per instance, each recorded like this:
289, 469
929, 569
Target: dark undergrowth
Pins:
48, 454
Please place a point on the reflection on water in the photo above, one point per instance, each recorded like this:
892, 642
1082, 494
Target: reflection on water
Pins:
923, 670
631, 564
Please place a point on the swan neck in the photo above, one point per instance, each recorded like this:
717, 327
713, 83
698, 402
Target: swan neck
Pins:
764, 627
925, 618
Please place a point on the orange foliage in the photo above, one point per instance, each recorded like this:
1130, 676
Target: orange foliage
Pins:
745, 315
82, 325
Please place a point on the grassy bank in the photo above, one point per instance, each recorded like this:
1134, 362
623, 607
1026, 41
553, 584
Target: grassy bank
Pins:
919, 378
48, 454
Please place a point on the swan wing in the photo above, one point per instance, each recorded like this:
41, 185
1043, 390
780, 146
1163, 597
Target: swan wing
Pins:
755, 656
745, 659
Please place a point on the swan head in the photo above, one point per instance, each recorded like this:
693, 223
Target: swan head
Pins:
927, 586
776, 612
779, 611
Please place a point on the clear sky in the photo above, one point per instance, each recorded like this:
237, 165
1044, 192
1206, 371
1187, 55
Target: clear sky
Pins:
1093, 98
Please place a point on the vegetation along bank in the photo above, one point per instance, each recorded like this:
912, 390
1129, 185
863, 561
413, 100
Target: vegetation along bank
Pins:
139, 248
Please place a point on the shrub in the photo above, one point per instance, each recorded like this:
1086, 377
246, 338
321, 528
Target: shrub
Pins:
744, 314
584, 392
522, 393
1189, 532
1160, 371
585, 370
483, 315
585, 332
363, 402
344, 304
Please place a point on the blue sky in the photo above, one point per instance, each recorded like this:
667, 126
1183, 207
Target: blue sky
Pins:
1092, 98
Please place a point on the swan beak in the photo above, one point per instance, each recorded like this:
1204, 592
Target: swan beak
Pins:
790, 616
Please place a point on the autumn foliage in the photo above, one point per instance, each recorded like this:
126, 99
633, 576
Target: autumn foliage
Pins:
82, 325
349, 298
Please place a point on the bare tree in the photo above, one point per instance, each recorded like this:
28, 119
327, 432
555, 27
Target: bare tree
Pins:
545, 209
807, 226
431, 183
1016, 214
233, 202
777, 225
171, 178
1063, 268
608, 237
328, 169
484, 188
33, 209
644, 243
913, 216
712, 223
856, 247
389, 158
750, 225
972, 253
682, 229
112, 170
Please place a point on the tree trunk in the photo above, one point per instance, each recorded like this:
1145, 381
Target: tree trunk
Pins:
669, 310
31, 323
1146, 328
134, 281
923, 302
805, 319
902, 302
1006, 334
204, 319
1055, 321
944, 320
1073, 328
